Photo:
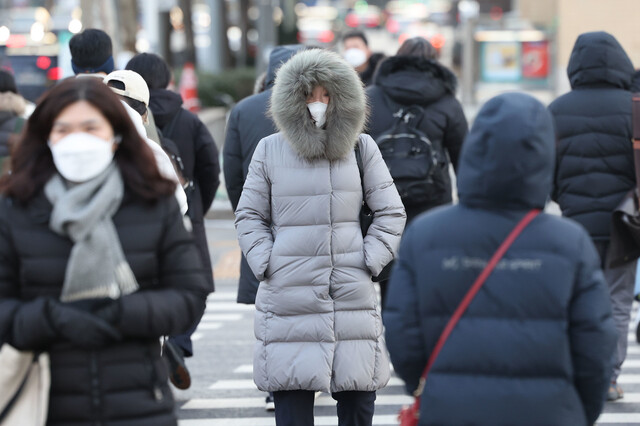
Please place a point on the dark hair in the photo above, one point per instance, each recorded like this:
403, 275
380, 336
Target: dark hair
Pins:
7, 82
418, 47
90, 48
356, 34
152, 68
137, 105
32, 163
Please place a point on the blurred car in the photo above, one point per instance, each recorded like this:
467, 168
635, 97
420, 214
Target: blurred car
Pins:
317, 25
428, 31
364, 16
401, 15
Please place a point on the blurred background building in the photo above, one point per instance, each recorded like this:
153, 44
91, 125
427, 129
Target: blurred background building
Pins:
491, 44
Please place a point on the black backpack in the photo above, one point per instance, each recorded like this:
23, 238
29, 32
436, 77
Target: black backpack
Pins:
417, 165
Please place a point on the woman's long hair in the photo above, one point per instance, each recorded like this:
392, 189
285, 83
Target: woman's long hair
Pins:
32, 163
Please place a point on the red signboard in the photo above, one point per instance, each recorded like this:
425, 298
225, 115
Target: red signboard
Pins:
535, 60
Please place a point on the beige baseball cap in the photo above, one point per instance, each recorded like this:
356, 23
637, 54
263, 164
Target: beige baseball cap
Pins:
134, 85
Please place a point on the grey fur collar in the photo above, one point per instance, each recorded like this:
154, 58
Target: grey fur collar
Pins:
346, 112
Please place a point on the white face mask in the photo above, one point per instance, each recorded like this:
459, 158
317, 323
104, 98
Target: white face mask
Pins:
355, 57
81, 156
318, 112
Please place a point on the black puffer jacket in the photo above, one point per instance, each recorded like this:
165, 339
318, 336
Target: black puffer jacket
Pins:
368, 74
404, 81
535, 345
594, 164
247, 125
200, 157
123, 382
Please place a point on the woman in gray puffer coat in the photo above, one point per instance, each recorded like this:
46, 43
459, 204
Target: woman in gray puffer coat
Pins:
317, 317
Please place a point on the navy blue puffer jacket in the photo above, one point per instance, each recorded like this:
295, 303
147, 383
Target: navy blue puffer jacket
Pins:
594, 152
535, 346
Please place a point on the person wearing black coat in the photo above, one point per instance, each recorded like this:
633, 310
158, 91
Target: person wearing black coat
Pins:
199, 155
414, 77
12, 107
535, 345
594, 166
63, 228
247, 125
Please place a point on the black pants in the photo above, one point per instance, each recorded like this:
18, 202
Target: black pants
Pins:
295, 408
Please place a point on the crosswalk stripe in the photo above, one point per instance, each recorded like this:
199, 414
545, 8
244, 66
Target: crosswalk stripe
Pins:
631, 363
270, 421
323, 401
606, 418
633, 350
222, 295
629, 397
630, 379
196, 336
209, 326
230, 307
222, 317
248, 384
246, 368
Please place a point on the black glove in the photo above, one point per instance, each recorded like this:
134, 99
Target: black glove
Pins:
79, 326
106, 308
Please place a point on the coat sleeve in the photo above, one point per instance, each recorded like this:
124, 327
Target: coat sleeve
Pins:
402, 319
455, 133
592, 332
23, 324
207, 165
253, 215
389, 217
232, 164
178, 301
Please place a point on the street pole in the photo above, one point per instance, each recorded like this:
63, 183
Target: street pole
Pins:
468, 65
151, 22
267, 34
213, 62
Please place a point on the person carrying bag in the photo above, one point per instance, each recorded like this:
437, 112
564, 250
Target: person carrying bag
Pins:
539, 331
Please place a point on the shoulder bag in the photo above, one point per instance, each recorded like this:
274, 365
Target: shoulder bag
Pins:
624, 245
409, 415
24, 380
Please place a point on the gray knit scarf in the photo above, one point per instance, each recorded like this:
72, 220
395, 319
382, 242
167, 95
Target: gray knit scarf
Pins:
97, 266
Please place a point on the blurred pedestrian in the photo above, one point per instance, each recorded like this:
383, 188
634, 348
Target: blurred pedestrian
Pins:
595, 167
96, 263
12, 107
199, 155
248, 124
357, 53
134, 95
535, 345
414, 77
317, 318
91, 53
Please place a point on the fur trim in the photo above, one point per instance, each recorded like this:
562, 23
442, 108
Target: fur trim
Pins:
398, 63
346, 113
11, 102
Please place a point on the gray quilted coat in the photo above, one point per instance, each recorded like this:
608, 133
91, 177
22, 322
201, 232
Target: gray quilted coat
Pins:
317, 320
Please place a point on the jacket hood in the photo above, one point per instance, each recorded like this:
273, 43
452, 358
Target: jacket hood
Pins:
279, 55
598, 58
164, 104
410, 80
346, 112
508, 157
12, 102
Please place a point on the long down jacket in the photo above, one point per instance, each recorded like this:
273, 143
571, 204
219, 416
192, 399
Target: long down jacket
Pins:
317, 318
535, 345
123, 383
593, 123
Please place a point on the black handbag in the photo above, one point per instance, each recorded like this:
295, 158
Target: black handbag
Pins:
366, 218
624, 245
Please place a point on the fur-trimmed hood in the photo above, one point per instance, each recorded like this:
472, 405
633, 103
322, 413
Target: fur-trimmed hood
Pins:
12, 102
346, 112
410, 80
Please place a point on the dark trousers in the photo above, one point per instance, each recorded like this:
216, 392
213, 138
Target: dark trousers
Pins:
295, 408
